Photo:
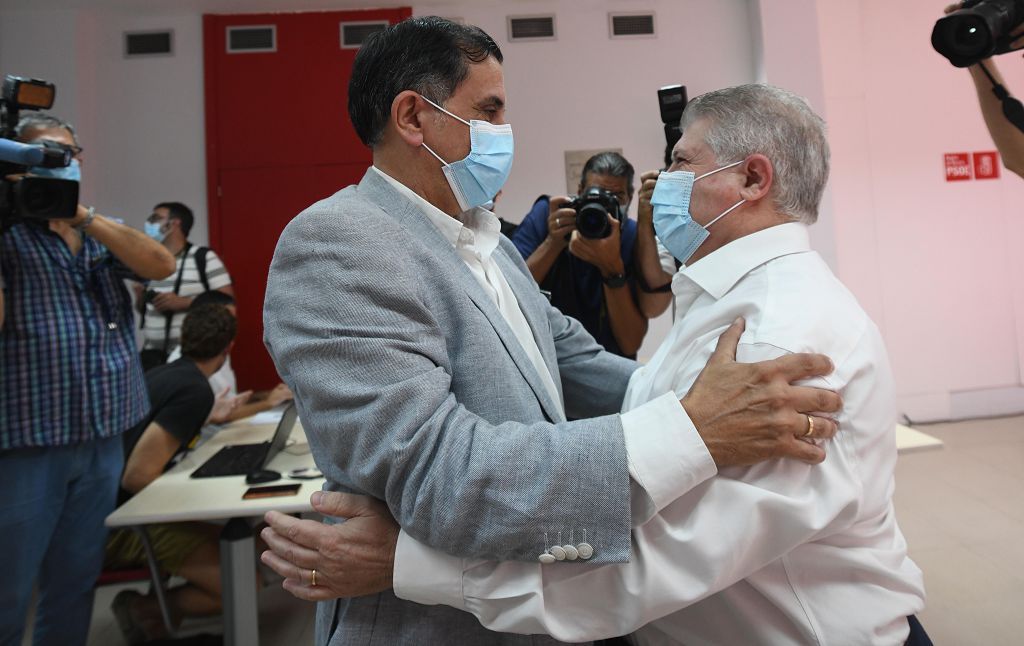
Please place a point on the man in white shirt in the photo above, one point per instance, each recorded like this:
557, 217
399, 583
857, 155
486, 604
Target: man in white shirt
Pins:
199, 269
776, 553
430, 372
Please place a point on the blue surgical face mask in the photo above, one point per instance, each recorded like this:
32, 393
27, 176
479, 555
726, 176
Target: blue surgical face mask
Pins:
675, 227
476, 179
155, 230
72, 171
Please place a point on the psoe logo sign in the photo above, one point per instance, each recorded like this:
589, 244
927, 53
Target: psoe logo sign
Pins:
986, 165
958, 166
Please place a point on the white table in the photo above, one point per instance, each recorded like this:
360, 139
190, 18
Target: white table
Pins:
174, 497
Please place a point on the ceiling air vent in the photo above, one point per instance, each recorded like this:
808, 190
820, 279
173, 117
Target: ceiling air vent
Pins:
252, 38
354, 33
531, 27
631, 25
148, 43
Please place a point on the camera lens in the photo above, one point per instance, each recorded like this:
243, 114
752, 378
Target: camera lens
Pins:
592, 221
46, 198
969, 37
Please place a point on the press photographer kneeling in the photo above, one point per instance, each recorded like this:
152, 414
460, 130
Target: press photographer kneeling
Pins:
581, 249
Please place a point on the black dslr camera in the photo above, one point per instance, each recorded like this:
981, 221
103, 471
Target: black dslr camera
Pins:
31, 197
981, 28
671, 103
592, 210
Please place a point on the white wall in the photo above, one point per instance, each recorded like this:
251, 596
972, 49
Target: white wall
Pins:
142, 119
934, 263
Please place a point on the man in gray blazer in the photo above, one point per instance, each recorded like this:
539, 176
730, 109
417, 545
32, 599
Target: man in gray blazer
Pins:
431, 374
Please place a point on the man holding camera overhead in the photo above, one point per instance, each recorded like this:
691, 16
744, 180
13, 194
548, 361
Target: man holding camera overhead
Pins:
581, 250
70, 385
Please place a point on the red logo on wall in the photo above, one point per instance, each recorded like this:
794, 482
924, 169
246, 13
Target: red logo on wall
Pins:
986, 165
958, 166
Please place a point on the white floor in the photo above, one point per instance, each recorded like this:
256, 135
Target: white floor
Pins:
960, 506
962, 510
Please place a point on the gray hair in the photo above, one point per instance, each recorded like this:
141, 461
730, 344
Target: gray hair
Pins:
751, 119
41, 121
609, 163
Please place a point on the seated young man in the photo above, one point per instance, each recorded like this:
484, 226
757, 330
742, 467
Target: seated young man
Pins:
230, 405
181, 400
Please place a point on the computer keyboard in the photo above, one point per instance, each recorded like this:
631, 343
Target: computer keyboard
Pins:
233, 460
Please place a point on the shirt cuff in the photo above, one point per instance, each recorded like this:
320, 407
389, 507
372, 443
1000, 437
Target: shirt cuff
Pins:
667, 457
425, 575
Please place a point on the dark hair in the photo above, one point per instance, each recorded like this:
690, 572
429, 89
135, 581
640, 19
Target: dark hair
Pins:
41, 121
207, 331
212, 296
609, 163
179, 211
430, 55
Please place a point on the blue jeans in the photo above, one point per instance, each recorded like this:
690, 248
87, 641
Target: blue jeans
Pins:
52, 505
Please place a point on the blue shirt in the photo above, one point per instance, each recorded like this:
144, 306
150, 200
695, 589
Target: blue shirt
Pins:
69, 367
576, 286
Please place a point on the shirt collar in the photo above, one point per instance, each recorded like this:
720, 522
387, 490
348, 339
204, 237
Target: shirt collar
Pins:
720, 270
477, 232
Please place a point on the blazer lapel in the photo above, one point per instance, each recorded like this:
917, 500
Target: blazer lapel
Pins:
380, 192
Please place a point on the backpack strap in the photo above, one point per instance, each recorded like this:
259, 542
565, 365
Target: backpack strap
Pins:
200, 259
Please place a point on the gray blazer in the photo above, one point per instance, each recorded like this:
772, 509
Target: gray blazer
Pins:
413, 389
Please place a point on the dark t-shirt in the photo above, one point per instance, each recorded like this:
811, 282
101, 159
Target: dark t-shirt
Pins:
576, 287
181, 400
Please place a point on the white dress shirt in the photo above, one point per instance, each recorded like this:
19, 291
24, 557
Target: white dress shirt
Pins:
664, 450
778, 553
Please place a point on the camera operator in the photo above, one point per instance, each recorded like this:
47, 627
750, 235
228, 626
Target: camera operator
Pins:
593, 279
1008, 138
70, 385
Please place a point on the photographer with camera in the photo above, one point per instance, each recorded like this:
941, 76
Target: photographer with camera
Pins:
969, 35
198, 269
582, 250
70, 385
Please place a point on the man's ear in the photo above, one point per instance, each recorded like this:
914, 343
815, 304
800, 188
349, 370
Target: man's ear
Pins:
406, 118
759, 177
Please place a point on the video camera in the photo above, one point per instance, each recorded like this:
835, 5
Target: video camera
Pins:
31, 197
672, 102
592, 210
978, 30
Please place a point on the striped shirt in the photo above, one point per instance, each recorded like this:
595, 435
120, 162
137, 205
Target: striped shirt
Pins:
69, 366
155, 326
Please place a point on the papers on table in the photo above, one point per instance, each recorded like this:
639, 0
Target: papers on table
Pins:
266, 417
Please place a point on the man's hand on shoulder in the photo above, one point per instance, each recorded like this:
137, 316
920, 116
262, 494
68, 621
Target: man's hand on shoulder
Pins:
351, 559
750, 412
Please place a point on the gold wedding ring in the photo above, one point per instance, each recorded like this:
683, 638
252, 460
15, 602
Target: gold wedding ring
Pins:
810, 427
312, 578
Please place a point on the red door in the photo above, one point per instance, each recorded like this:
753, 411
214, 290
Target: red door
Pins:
278, 138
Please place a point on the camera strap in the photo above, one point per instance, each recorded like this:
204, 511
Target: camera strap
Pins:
177, 288
1013, 109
